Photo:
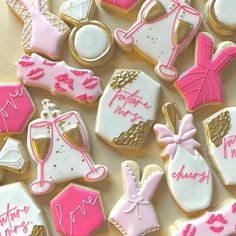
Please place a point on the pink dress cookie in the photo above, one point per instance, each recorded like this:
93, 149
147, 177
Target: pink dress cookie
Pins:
59, 78
77, 211
202, 84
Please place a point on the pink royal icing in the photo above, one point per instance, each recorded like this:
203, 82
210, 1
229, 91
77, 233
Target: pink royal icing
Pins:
14, 102
59, 78
77, 211
221, 222
124, 4
202, 84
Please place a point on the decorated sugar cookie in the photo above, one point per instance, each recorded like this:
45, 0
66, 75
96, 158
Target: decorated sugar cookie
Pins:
215, 223
195, 83
221, 138
163, 29
221, 16
59, 144
12, 157
123, 6
38, 23
77, 211
91, 42
14, 102
188, 174
59, 78
19, 213
129, 104
134, 214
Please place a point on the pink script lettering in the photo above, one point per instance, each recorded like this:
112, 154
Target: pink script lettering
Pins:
229, 146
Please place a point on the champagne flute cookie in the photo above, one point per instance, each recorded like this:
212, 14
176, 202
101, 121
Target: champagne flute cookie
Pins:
195, 83
59, 144
59, 78
188, 174
221, 16
129, 104
214, 223
163, 29
38, 23
90, 42
134, 214
77, 211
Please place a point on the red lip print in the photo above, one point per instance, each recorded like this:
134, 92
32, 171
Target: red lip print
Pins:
219, 218
190, 230
36, 74
90, 82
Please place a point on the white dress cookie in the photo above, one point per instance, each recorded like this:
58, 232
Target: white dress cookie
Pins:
188, 174
129, 104
163, 29
59, 143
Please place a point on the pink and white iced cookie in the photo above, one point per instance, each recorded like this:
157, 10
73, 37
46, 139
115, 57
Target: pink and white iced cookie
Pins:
59, 78
59, 144
216, 223
129, 105
195, 83
38, 23
221, 139
13, 157
134, 213
77, 211
163, 29
14, 102
123, 6
19, 213
188, 174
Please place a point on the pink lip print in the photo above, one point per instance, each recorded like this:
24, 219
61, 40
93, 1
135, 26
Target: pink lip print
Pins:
219, 218
190, 230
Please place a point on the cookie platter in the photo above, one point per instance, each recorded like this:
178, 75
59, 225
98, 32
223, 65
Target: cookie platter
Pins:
126, 100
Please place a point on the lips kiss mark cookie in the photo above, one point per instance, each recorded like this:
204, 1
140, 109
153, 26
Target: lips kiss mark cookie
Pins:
129, 104
59, 78
220, 131
215, 223
221, 16
59, 144
14, 102
163, 29
188, 175
134, 214
195, 83
38, 22
77, 211
19, 213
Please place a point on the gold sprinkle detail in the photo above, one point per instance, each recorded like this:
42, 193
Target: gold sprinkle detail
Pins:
38, 230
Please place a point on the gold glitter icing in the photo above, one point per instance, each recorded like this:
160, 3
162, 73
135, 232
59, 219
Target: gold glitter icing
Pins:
219, 127
135, 135
38, 230
123, 77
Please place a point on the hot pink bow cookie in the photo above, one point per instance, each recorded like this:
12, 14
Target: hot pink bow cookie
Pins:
163, 29
217, 223
60, 145
123, 6
38, 24
59, 78
134, 214
202, 84
14, 102
77, 211
188, 174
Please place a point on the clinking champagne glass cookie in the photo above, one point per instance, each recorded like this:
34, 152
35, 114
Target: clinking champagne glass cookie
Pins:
90, 42
188, 174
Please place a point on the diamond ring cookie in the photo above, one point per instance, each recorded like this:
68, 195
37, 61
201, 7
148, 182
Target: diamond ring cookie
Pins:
59, 78
77, 211
91, 42
129, 104
59, 144
19, 213
38, 23
134, 214
188, 175
195, 83
221, 16
163, 29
